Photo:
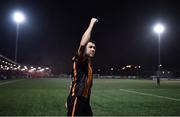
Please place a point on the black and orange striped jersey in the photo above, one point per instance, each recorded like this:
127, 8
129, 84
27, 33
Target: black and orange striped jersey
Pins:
81, 80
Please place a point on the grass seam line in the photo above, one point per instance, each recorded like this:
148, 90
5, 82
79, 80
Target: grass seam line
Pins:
8, 82
152, 95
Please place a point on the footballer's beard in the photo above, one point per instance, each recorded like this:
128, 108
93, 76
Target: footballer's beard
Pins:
91, 54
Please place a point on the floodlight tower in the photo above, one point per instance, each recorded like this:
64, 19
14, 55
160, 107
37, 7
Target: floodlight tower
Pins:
18, 18
159, 29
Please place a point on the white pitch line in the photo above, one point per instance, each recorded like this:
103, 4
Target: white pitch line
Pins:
147, 94
10, 81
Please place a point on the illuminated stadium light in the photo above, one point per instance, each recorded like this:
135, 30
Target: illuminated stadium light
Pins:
123, 68
41, 70
32, 70
47, 68
128, 66
18, 17
15, 68
139, 66
25, 67
159, 28
39, 67
22, 69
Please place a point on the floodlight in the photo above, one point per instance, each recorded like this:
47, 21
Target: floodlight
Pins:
18, 17
159, 28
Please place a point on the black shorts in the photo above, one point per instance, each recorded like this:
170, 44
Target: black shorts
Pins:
78, 106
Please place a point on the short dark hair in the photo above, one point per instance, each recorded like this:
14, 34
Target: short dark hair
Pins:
92, 41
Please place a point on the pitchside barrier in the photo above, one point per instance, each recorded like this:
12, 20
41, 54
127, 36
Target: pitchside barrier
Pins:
119, 77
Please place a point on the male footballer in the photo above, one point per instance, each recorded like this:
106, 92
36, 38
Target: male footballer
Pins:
78, 101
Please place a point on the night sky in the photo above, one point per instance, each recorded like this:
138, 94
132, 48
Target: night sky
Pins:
53, 29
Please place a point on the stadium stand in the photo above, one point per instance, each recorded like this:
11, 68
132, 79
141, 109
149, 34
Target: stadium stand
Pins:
10, 69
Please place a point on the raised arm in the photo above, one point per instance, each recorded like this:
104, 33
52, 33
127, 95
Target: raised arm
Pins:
86, 36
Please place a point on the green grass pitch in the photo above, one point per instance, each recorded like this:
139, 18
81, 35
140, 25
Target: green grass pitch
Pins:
109, 97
